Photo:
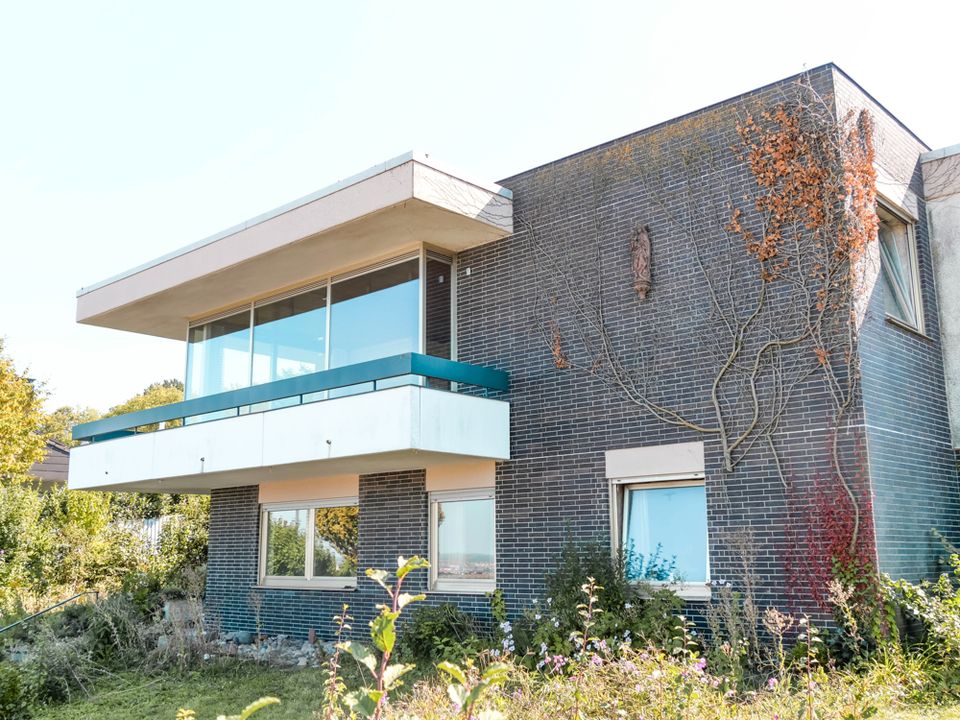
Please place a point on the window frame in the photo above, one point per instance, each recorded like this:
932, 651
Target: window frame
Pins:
619, 487
308, 580
455, 585
885, 208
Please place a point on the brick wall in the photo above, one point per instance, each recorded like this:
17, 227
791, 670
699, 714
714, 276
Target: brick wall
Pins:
393, 521
562, 421
911, 458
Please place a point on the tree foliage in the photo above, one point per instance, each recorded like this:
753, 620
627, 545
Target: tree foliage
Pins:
21, 417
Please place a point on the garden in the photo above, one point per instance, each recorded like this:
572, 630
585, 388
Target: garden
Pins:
596, 646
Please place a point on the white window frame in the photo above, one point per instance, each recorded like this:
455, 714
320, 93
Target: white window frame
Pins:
455, 585
618, 491
308, 580
884, 208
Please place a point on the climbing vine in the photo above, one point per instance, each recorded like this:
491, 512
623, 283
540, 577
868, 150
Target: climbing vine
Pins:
781, 267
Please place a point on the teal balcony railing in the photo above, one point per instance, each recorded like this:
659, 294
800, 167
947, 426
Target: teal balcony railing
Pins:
371, 372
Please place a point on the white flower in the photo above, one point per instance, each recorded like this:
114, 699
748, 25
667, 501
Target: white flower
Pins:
628, 605
537, 616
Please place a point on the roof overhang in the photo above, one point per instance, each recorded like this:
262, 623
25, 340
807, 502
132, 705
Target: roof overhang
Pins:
368, 217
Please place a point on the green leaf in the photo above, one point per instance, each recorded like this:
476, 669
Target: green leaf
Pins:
407, 565
361, 653
363, 702
394, 672
380, 578
496, 673
406, 598
453, 670
383, 631
458, 694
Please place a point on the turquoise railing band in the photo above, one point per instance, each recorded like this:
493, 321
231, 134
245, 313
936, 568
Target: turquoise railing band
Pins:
366, 372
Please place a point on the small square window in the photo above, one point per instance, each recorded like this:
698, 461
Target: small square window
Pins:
313, 545
462, 541
663, 528
899, 270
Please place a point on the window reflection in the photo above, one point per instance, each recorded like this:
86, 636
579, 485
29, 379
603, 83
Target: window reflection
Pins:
286, 543
665, 533
465, 540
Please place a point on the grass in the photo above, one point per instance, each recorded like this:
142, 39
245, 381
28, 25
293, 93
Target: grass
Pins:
227, 689
213, 691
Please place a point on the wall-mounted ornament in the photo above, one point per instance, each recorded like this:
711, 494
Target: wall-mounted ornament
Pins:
640, 260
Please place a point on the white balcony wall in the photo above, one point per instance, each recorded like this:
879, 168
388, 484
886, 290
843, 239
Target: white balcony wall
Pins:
397, 429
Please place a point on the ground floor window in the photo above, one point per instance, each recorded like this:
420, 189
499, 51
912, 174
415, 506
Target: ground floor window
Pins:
309, 544
663, 531
462, 540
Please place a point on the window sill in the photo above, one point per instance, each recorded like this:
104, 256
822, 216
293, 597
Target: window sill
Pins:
461, 588
684, 591
306, 585
901, 325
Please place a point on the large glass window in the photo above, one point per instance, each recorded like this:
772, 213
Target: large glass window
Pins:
218, 356
900, 275
311, 545
462, 542
664, 527
376, 314
382, 312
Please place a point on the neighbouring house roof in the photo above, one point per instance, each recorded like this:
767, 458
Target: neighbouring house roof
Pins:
53, 468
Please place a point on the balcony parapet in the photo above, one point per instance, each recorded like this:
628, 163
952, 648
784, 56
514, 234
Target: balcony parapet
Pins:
373, 372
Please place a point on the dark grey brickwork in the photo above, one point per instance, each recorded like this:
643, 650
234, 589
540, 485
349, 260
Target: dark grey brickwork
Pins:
912, 463
393, 521
562, 421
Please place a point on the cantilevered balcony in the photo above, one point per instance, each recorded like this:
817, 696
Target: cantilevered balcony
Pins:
397, 413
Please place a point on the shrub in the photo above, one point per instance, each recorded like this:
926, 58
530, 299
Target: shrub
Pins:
15, 701
441, 632
631, 612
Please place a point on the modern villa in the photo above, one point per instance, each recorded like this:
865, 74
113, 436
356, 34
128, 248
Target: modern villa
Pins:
406, 362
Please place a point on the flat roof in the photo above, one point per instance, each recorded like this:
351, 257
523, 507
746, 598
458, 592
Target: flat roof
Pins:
420, 157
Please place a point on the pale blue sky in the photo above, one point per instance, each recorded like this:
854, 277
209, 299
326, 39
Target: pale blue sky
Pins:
130, 129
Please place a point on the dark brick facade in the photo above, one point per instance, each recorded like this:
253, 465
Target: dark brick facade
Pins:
563, 421
393, 521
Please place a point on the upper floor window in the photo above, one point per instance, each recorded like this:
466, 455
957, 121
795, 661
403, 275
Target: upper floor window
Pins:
899, 270
401, 306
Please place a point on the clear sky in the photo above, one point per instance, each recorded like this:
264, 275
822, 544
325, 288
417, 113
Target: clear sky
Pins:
129, 129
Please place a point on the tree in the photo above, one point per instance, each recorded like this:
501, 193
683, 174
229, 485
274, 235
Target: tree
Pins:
21, 417
58, 425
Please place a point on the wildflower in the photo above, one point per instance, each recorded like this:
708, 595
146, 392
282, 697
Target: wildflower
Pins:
627, 606
537, 616
596, 660
549, 601
700, 664
556, 623
772, 683
543, 648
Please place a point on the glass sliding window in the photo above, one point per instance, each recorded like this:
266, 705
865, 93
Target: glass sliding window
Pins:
289, 339
898, 264
335, 541
314, 545
665, 532
375, 315
218, 356
286, 543
463, 546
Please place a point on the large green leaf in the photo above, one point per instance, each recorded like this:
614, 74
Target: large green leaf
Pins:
453, 670
383, 631
362, 702
457, 694
406, 598
379, 577
392, 673
407, 565
361, 653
